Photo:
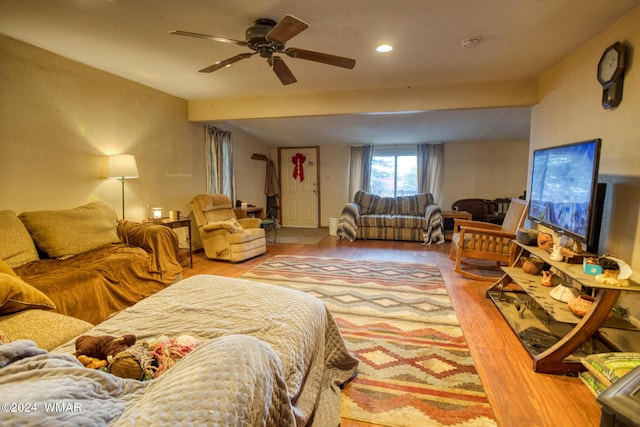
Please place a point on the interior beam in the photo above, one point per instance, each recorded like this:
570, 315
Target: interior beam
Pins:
424, 98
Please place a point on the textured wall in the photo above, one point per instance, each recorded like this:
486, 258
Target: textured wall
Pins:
569, 110
58, 121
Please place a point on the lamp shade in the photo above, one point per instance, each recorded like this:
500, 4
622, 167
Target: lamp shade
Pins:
122, 166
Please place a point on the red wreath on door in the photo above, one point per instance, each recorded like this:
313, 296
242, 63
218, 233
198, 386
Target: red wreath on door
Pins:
298, 161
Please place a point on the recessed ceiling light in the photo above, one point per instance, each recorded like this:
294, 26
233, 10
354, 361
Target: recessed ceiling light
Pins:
470, 42
384, 48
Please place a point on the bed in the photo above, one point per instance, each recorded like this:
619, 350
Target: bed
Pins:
267, 356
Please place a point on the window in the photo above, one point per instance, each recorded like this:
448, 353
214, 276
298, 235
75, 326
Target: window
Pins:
394, 174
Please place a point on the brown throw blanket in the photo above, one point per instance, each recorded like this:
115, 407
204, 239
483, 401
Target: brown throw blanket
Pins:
159, 241
97, 283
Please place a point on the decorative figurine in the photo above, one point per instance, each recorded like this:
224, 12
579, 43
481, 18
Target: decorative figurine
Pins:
615, 272
547, 279
545, 240
556, 255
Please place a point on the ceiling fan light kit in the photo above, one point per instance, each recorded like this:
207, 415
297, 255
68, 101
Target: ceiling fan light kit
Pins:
268, 38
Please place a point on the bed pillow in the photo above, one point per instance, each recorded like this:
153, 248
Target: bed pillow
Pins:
48, 329
16, 245
6, 269
16, 295
609, 367
65, 233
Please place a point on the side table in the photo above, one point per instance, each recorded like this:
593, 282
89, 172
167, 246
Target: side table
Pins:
179, 223
449, 217
254, 211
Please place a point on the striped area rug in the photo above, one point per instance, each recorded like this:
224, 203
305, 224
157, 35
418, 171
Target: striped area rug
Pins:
397, 318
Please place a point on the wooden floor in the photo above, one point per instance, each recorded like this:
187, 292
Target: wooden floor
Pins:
519, 396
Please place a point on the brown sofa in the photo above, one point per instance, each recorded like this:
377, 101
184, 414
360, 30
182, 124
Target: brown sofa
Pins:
82, 262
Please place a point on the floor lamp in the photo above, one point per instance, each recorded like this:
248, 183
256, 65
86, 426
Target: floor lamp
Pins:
122, 166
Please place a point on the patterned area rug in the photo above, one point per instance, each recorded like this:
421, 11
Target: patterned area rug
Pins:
397, 318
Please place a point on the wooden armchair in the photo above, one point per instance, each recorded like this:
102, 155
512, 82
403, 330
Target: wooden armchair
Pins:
482, 245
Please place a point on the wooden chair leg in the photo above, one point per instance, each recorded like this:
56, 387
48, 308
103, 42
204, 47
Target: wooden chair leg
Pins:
458, 269
452, 254
475, 276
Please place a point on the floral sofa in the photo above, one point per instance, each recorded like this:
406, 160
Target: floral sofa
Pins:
81, 263
413, 218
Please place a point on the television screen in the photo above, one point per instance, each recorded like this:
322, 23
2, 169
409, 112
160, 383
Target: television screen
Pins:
563, 187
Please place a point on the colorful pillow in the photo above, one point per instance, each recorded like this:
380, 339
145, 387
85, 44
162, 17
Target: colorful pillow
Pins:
66, 233
16, 295
609, 367
16, 245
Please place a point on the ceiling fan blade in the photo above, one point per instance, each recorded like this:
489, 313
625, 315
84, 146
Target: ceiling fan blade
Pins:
286, 29
325, 58
221, 64
282, 71
206, 36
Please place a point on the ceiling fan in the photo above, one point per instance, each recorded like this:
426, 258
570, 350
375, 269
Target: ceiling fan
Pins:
268, 39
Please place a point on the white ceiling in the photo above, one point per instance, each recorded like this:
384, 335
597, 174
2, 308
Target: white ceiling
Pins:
519, 40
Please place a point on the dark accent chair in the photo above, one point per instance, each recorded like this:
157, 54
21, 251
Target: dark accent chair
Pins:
492, 211
476, 207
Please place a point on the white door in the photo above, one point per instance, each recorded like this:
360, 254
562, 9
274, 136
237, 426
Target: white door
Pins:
299, 184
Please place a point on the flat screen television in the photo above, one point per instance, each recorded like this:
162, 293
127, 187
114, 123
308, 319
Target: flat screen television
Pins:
565, 195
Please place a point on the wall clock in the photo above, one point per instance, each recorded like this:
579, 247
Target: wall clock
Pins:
611, 74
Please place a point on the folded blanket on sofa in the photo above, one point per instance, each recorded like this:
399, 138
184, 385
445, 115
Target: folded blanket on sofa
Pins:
159, 241
87, 263
92, 285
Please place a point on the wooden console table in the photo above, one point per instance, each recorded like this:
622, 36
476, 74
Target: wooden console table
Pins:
526, 304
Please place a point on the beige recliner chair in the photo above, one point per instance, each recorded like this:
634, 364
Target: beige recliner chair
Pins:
225, 237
